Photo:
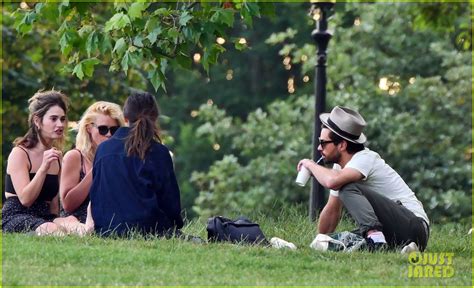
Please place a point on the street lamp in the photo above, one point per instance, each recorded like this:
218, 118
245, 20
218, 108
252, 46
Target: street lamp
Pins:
320, 12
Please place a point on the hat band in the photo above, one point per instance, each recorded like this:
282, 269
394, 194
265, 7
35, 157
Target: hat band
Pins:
341, 132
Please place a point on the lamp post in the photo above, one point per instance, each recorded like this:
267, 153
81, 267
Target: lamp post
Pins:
320, 12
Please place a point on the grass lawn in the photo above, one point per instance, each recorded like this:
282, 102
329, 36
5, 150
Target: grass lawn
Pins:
67, 261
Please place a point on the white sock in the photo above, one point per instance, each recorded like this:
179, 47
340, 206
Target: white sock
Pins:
377, 237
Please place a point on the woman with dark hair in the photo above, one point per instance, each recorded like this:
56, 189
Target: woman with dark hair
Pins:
134, 187
33, 167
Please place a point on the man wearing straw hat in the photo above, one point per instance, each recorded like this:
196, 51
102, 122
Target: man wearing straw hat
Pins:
386, 210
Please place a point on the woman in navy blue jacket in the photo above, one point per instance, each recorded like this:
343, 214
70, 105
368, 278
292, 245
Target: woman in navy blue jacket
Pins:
134, 187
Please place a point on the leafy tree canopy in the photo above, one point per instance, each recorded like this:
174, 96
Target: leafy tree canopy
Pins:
148, 37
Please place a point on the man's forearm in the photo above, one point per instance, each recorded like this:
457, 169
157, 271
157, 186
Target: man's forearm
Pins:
328, 221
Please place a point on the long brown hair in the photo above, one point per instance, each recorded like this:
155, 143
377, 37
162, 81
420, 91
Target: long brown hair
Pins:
39, 105
142, 112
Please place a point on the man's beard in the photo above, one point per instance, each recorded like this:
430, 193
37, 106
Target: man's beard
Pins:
329, 160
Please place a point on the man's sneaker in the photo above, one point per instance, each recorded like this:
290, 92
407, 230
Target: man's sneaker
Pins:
323, 242
376, 246
280, 243
412, 247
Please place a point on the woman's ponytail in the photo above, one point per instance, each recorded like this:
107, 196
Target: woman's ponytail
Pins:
142, 112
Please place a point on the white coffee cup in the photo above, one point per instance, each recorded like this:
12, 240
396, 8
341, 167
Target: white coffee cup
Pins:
303, 176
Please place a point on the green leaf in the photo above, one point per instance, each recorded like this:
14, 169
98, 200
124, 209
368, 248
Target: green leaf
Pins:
248, 11
66, 43
163, 12
163, 65
136, 10
121, 5
191, 35
173, 33
63, 7
138, 41
239, 46
184, 18
155, 78
63, 28
39, 7
24, 25
184, 60
88, 66
78, 71
85, 30
126, 60
50, 12
152, 24
81, 6
154, 29
105, 44
268, 9
210, 55
120, 46
223, 16
92, 43
253, 8
114, 66
132, 49
117, 22
153, 35
130, 58
247, 18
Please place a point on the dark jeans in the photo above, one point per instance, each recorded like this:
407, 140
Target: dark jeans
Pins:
373, 211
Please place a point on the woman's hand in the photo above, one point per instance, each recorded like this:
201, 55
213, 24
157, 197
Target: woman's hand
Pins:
49, 156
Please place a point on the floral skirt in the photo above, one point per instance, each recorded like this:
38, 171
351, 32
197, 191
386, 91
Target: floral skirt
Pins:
18, 218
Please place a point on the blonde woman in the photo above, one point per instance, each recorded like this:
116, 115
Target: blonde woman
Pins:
33, 168
99, 123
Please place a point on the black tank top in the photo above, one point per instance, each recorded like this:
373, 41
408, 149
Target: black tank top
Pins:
50, 185
82, 173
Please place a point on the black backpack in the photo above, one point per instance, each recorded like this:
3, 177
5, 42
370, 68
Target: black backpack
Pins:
241, 230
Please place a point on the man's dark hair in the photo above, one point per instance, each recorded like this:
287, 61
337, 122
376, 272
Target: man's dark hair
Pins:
352, 147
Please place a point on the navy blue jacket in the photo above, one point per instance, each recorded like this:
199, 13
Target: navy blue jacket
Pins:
128, 193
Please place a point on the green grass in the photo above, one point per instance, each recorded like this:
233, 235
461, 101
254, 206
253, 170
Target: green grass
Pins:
67, 261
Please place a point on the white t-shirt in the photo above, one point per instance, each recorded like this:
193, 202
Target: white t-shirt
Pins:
381, 178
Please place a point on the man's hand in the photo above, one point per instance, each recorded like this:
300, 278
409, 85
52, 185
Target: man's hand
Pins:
305, 163
330, 178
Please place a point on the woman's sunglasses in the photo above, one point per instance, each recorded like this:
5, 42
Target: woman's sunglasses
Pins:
103, 129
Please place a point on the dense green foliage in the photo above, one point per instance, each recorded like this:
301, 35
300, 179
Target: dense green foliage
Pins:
258, 171
233, 120
142, 35
90, 261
